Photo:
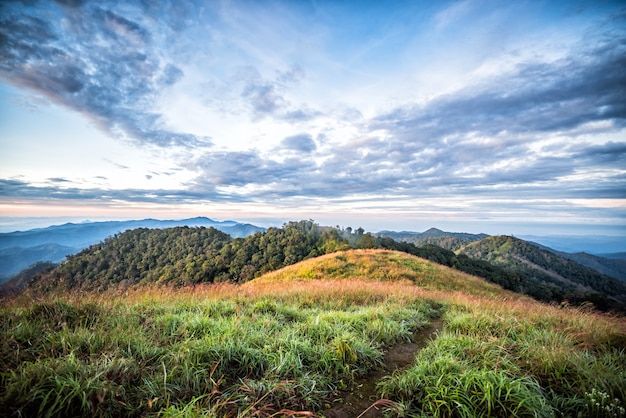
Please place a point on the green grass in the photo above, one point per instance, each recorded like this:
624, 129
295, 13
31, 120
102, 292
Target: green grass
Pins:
179, 354
528, 360
284, 344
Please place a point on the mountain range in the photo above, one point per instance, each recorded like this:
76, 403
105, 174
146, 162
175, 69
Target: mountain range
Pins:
611, 264
20, 249
186, 255
97, 250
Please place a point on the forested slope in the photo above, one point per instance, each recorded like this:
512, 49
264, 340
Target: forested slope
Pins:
186, 256
553, 277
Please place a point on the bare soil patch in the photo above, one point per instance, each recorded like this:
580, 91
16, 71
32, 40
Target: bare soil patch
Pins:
360, 400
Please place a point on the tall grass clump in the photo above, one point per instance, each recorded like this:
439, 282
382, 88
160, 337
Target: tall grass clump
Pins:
517, 359
211, 351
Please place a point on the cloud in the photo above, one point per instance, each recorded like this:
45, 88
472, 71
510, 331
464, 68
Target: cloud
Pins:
12, 190
57, 180
539, 97
302, 143
93, 60
546, 127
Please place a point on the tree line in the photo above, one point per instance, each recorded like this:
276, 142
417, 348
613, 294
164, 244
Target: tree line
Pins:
184, 256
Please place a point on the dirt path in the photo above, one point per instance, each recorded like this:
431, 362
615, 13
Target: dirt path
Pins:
363, 393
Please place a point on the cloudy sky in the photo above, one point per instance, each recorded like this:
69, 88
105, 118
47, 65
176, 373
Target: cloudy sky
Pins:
475, 115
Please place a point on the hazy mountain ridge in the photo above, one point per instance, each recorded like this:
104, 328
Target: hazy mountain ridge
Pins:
21, 249
15, 259
448, 240
184, 256
614, 267
549, 269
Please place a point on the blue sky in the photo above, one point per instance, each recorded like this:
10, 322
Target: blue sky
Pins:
475, 115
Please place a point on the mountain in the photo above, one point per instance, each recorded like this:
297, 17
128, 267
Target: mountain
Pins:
20, 249
187, 255
87, 233
555, 276
592, 244
340, 335
15, 259
614, 256
614, 267
448, 240
183, 256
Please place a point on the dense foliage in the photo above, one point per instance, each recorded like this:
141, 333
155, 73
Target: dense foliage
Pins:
187, 256
546, 276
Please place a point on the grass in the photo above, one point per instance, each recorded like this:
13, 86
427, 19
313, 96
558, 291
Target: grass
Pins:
285, 343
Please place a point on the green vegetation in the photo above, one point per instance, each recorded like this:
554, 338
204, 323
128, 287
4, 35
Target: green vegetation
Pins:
218, 350
546, 276
285, 343
183, 256
186, 256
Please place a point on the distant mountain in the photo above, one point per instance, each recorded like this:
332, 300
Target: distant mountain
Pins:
448, 240
558, 277
20, 249
614, 256
613, 267
592, 244
15, 259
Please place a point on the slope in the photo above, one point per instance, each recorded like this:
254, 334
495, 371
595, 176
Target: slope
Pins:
557, 277
55, 242
381, 266
448, 240
15, 259
184, 255
287, 344
613, 267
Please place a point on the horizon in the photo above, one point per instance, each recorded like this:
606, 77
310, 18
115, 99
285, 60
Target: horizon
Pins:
22, 224
468, 116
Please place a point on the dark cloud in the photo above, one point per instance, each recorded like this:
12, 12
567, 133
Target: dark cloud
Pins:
300, 115
485, 138
11, 189
264, 98
611, 153
302, 143
58, 180
94, 60
71, 3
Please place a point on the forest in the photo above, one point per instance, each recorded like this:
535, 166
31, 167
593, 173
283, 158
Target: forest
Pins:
184, 256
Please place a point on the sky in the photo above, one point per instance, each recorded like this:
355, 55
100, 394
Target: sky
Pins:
474, 115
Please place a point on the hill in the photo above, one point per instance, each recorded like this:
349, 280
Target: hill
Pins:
15, 259
298, 341
20, 249
187, 255
448, 240
614, 267
182, 256
555, 276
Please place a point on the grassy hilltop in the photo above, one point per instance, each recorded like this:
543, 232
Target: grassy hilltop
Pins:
293, 342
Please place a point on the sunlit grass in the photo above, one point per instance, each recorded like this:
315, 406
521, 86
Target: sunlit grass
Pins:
286, 342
